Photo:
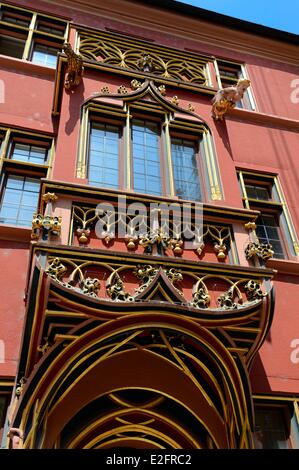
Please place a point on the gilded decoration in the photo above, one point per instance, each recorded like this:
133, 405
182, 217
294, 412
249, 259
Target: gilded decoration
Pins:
227, 98
49, 197
44, 225
90, 286
105, 90
114, 50
263, 251
174, 100
254, 291
122, 90
74, 67
161, 236
162, 90
135, 84
72, 275
115, 289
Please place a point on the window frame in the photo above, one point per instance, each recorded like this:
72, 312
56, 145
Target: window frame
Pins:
275, 205
290, 403
3, 188
31, 34
161, 158
9, 166
116, 113
97, 119
243, 74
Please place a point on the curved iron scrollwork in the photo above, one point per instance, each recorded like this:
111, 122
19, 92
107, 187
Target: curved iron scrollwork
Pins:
136, 230
162, 62
73, 275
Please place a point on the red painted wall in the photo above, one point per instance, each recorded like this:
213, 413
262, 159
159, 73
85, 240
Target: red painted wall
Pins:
14, 265
239, 143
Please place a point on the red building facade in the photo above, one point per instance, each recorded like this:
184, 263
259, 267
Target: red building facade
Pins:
150, 250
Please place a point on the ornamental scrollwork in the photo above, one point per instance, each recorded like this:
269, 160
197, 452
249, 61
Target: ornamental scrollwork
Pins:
263, 251
137, 230
90, 286
200, 294
56, 269
227, 299
165, 63
43, 225
146, 274
254, 291
76, 276
115, 289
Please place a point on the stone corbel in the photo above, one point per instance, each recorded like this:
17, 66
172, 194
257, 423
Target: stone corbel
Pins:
74, 67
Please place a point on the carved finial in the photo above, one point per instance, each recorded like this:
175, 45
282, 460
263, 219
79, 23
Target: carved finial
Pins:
191, 108
175, 100
75, 67
145, 63
263, 251
49, 197
122, 90
43, 225
105, 90
43, 348
135, 84
227, 98
250, 226
162, 90
20, 386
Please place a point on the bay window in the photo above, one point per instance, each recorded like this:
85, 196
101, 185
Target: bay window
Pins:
147, 152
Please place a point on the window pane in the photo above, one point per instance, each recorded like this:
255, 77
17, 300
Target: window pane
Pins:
11, 46
267, 232
29, 153
272, 428
104, 156
19, 200
44, 55
257, 192
185, 171
146, 157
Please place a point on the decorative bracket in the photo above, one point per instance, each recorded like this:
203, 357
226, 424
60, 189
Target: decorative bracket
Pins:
227, 98
75, 67
43, 225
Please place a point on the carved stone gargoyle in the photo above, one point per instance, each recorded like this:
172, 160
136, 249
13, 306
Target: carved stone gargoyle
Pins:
227, 98
74, 67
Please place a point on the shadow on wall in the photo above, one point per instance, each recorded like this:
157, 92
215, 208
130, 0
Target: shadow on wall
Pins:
223, 134
76, 98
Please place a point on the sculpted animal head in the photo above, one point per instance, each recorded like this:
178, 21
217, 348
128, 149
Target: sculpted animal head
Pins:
243, 83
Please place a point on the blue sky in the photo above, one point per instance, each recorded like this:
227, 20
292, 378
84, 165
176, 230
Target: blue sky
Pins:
279, 14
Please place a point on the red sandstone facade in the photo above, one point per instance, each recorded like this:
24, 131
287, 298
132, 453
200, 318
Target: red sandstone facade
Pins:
183, 341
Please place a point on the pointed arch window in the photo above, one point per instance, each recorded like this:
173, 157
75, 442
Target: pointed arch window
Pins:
144, 147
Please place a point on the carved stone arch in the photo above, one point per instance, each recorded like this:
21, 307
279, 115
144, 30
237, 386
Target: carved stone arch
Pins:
214, 395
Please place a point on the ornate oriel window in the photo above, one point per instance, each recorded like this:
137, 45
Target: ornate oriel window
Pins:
263, 192
149, 146
32, 36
